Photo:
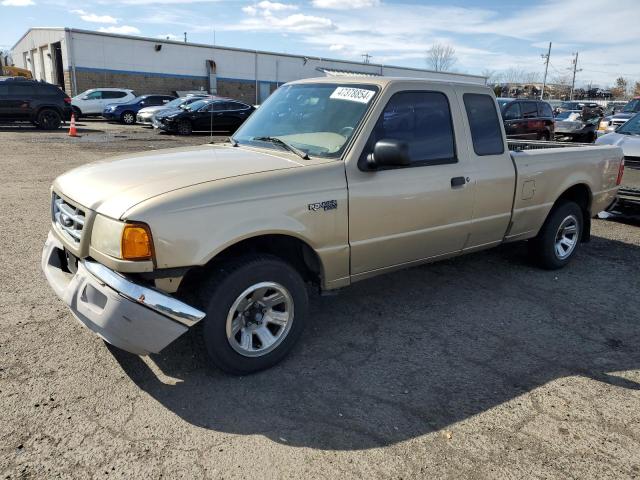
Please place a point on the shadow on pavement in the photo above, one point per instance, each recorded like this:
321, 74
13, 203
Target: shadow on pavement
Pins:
412, 352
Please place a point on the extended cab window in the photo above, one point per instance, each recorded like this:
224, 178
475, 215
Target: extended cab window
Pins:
423, 121
484, 124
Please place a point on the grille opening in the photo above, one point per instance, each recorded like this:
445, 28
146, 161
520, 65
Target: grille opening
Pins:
68, 218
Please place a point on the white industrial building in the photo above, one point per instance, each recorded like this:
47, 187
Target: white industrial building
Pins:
80, 59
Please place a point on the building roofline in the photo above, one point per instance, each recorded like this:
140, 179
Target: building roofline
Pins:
35, 28
245, 50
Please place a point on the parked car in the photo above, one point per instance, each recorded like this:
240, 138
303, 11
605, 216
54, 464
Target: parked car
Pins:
527, 119
576, 126
92, 102
217, 114
627, 137
144, 247
610, 123
145, 115
43, 104
126, 112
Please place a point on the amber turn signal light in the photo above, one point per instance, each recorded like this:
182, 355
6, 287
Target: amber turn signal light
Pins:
136, 242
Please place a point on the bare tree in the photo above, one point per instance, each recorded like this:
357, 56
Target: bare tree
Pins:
636, 90
5, 58
441, 57
492, 76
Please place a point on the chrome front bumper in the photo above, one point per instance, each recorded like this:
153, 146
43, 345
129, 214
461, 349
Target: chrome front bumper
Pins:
132, 317
144, 120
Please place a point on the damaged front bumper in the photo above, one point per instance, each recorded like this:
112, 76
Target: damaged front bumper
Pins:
130, 316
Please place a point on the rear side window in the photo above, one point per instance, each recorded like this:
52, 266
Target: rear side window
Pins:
484, 124
237, 106
22, 91
529, 110
544, 109
107, 94
423, 121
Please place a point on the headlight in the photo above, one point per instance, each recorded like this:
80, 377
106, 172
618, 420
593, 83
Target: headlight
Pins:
127, 241
603, 125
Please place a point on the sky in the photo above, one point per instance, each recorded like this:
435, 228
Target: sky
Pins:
486, 34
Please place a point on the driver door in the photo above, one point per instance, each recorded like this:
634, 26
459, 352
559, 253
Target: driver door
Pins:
404, 215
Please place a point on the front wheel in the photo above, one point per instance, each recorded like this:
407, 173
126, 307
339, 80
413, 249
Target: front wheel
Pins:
128, 118
256, 311
185, 127
559, 237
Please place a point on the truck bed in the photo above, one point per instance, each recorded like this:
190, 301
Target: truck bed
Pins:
544, 170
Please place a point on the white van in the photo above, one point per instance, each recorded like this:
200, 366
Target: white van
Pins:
93, 101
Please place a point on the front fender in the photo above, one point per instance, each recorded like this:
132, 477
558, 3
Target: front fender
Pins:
192, 225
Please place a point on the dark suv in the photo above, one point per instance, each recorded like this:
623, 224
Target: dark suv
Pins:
527, 119
43, 104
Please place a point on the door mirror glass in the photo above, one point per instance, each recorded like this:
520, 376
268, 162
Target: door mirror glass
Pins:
388, 153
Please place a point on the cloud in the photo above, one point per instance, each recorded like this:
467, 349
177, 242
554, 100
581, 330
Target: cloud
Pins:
336, 47
123, 30
276, 6
250, 10
93, 18
297, 22
17, 3
345, 4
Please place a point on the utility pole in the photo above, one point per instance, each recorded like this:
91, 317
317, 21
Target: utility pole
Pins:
575, 70
366, 58
185, 37
546, 69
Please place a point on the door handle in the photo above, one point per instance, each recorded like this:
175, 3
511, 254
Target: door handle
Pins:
458, 181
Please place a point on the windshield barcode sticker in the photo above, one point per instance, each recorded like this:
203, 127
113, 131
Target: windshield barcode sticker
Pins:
359, 95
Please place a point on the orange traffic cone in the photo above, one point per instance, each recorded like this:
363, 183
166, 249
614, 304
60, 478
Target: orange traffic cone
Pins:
72, 128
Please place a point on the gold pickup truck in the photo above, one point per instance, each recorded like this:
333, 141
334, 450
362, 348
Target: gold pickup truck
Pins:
329, 182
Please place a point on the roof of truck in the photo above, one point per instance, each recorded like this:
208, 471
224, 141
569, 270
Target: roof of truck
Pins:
383, 81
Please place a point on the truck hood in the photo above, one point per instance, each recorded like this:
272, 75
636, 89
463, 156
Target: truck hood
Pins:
630, 144
113, 186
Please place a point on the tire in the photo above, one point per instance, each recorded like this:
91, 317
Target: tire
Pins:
559, 237
229, 291
128, 118
185, 127
48, 119
544, 136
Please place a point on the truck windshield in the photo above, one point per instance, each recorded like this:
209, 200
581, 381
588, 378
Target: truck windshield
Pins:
315, 118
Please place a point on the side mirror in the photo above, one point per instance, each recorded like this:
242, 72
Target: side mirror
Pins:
387, 153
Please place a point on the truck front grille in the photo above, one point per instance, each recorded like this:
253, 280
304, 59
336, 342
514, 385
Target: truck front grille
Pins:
68, 218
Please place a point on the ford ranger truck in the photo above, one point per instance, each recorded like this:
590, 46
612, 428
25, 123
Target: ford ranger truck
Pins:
331, 181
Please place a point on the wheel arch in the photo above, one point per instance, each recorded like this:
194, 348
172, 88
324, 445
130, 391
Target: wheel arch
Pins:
291, 249
581, 194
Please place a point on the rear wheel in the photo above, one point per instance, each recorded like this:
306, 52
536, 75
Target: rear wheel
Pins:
49, 119
544, 136
128, 118
185, 127
256, 311
559, 237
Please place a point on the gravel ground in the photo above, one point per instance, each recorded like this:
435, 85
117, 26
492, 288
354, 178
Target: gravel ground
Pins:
477, 367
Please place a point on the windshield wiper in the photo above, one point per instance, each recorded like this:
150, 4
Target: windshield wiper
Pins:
283, 144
